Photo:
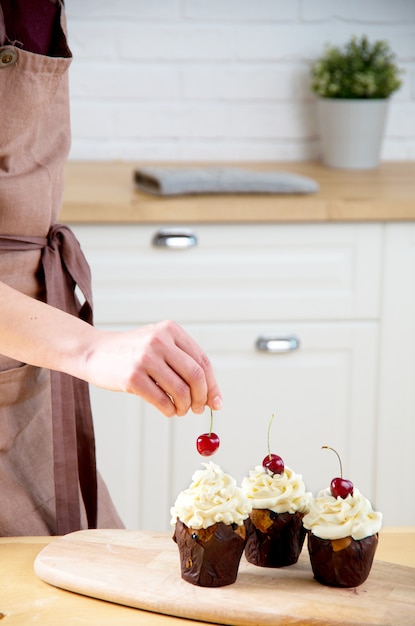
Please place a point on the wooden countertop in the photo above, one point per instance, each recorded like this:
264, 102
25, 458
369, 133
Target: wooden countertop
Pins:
103, 192
25, 599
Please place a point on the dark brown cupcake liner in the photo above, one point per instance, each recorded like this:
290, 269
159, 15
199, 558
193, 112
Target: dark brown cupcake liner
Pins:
210, 557
341, 562
274, 539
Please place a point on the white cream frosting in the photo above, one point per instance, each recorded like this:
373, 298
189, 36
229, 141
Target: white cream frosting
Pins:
336, 518
281, 493
212, 497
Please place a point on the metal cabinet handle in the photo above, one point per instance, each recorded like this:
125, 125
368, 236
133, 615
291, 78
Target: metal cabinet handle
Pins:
277, 344
175, 238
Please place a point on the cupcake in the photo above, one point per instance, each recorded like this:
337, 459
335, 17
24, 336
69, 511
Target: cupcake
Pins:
342, 538
275, 528
209, 519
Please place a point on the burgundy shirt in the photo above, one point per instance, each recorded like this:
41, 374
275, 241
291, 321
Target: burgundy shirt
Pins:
33, 25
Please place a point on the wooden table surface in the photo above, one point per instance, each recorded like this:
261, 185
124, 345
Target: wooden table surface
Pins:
104, 192
25, 599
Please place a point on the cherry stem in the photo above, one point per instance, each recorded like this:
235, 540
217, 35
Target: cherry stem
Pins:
338, 456
269, 429
211, 422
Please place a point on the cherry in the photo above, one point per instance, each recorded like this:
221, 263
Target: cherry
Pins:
340, 487
273, 462
208, 443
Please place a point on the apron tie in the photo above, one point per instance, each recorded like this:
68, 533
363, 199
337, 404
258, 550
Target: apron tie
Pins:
65, 267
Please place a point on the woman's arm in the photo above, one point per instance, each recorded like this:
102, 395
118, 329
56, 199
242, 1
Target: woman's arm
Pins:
160, 362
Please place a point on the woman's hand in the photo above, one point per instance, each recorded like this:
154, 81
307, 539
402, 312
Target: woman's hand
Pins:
160, 362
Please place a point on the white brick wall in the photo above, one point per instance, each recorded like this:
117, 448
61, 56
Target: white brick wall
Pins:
209, 80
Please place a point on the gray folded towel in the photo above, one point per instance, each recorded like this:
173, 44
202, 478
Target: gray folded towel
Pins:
169, 181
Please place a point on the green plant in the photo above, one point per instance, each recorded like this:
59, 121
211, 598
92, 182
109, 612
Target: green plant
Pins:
359, 70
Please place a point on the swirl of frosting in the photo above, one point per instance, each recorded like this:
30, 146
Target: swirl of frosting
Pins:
336, 518
281, 493
212, 497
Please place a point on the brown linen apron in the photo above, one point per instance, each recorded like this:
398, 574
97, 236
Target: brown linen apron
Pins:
48, 480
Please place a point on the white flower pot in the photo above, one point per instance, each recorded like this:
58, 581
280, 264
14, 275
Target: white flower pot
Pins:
351, 131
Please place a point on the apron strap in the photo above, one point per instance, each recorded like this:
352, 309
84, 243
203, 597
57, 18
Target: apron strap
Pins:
65, 267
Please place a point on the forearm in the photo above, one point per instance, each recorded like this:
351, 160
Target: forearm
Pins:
36, 333
159, 362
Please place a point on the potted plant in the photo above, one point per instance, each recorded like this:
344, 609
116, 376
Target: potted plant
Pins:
353, 86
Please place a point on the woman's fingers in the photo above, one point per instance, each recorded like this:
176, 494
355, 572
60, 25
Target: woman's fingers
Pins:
176, 365
150, 391
184, 381
199, 375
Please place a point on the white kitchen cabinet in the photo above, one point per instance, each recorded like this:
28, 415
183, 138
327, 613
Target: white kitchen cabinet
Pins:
319, 283
323, 394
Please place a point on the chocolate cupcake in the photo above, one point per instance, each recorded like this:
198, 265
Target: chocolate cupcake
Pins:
342, 538
275, 527
209, 519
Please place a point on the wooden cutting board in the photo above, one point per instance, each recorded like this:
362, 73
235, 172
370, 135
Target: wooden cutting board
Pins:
141, 569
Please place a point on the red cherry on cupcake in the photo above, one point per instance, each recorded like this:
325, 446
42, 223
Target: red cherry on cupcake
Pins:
208, 443
273, 462
340, 487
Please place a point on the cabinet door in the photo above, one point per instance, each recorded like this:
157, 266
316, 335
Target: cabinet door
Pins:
323, 393
396, 452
